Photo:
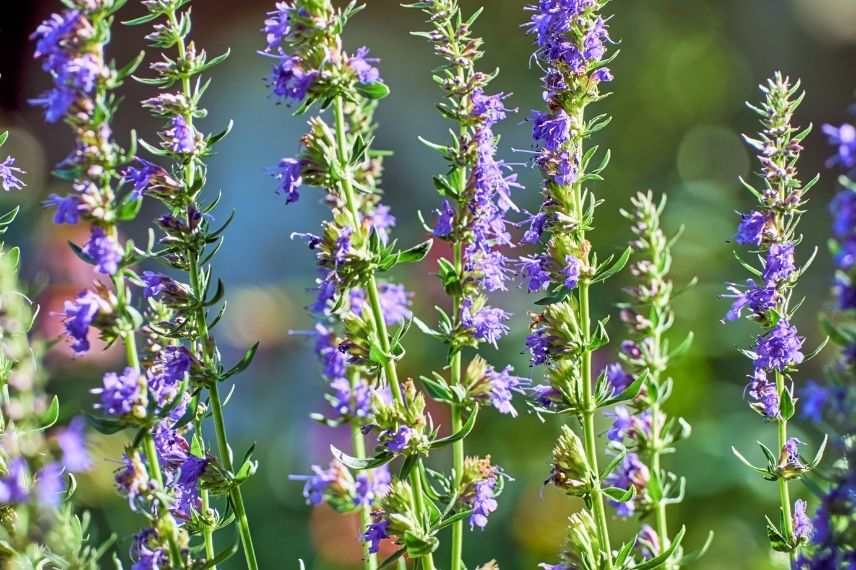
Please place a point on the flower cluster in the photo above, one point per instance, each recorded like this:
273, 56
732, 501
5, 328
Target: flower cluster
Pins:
770, 232
37, 458
572, 40
472, 218
354, 310
831, 404
642, 431
164, 477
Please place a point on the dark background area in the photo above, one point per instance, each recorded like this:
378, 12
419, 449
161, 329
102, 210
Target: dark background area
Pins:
682, 77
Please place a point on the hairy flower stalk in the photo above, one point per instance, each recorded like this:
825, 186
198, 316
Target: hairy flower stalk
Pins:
310, 67
770, 232
185, 354
572, 42
38, 527
642, 431
71, 45
831, 405
472, 218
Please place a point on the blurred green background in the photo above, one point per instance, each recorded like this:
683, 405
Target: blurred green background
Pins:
685, 69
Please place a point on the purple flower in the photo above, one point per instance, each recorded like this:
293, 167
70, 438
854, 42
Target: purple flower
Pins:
618, 379
164, 288
289, 80
445, 220
552, 131
814, 398
398, 440
8, 171
56, 103
67, 208
372, 486
845, 255
277, 26
483, 502
395, 302
289, 172
537, 225
844, 139
546, 396
489, 107
780, 263
763, 395
779, 348
50, 484
122, 394
843, 210
648, 542
72, 443
316, 485
51, 34
363, 66
376, 532
381, 221
334, 361
140, 174
13, 486
146, 552
539, 344
132, 479
78, 317
758, 300
487, 323
803, 528
631, 472
629, 425
180, 137
751, 229
350, 402
534, 270
173, 449
169, 368
571, 271
105, 252
502, 386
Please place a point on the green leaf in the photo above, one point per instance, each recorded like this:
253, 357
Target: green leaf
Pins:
787, 406
373, 91
628, 393
460, 434
664, 556
142, 19
361, 464
51, 415
242, 364
3, 137
129, 208
617, 265
104, 424
437, 389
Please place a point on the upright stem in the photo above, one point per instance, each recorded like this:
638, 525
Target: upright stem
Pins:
358, 444
784, 492
457, 421
659, 505
235, 493
589, 406
378, 321
590, 439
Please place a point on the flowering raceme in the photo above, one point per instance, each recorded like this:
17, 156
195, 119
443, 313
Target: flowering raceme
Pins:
159, 301
778, 350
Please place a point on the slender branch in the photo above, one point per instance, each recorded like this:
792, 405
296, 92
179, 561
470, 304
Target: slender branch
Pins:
378, 321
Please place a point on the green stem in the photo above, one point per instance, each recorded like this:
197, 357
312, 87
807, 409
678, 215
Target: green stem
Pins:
235, 493
590, 439
784, 491
378, 321
359, 450
660, 505
457, 421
